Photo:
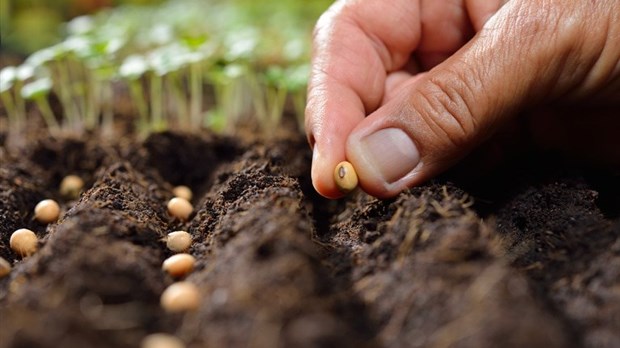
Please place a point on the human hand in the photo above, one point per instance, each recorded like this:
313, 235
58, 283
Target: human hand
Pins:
404, 89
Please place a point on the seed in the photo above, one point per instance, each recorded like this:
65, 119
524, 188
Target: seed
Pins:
180, 208
179, 241
24, 242
180, 296
345, 177
161, 340
179, 265
47, 211
5, 267
71, 186
182, 191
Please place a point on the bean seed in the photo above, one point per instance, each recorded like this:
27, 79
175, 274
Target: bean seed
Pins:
5, 267
24, 242
183, 191
179, 265
179, 241
161, 340
180, 208
71, 186
180, 297
345, 177
47, 211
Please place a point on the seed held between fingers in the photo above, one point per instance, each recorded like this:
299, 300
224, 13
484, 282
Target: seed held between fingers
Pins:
47, 211
179, 265
345, 177
161, 340
180, 297
24, 242
178, 241
180, 208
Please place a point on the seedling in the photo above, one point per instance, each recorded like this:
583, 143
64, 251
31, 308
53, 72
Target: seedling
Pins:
47, 211
179, 265
178, 241
71, 186
38, 91
8, 76
180, 208
5, 267
180, 297
161, 340
24, 242
183, 191
345, 177
187, 64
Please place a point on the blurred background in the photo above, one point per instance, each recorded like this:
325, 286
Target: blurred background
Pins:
29, 25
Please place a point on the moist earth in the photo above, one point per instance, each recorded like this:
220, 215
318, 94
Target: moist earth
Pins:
527, 255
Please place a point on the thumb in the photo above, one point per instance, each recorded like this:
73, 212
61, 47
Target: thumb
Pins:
526, 53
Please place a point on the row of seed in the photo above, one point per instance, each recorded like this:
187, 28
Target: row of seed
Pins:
24, 242
182, 295
178, 297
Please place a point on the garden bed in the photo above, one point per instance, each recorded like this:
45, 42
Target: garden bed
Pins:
526, 256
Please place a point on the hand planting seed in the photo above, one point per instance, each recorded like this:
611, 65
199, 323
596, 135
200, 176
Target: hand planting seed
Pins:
24, 242
178, 241
71, 186
345, 177
179, 265
182, 191
47, 211
180, 208
161, 340
5, 267
180, 297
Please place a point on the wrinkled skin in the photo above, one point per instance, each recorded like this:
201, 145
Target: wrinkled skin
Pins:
452, 75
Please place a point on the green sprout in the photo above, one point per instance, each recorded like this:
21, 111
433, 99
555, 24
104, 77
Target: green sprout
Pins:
190, 64
132, 69
8, 75
38, 91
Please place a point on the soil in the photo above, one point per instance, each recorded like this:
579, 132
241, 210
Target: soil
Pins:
527, 255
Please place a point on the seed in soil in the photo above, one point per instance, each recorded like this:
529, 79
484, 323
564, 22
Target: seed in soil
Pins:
161, 340
183, 191
24, 242
180, 297
345, 177
47, 211
5, 267
179, 265
71, 186
180, 208
179, 241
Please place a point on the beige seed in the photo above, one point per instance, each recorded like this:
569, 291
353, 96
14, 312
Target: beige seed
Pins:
345, 177
24, 242
47, 211
180, 208
179, 265
5, 267
179, 241
182, 191
161, 340
71, 186
180, 296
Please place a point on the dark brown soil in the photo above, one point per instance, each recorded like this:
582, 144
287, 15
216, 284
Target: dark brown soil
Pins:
526, 256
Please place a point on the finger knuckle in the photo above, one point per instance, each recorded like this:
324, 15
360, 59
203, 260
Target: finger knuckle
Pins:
447, 109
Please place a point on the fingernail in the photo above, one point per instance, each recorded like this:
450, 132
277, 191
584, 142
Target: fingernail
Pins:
390, 152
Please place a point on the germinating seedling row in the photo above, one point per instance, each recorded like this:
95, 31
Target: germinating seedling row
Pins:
185, 64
